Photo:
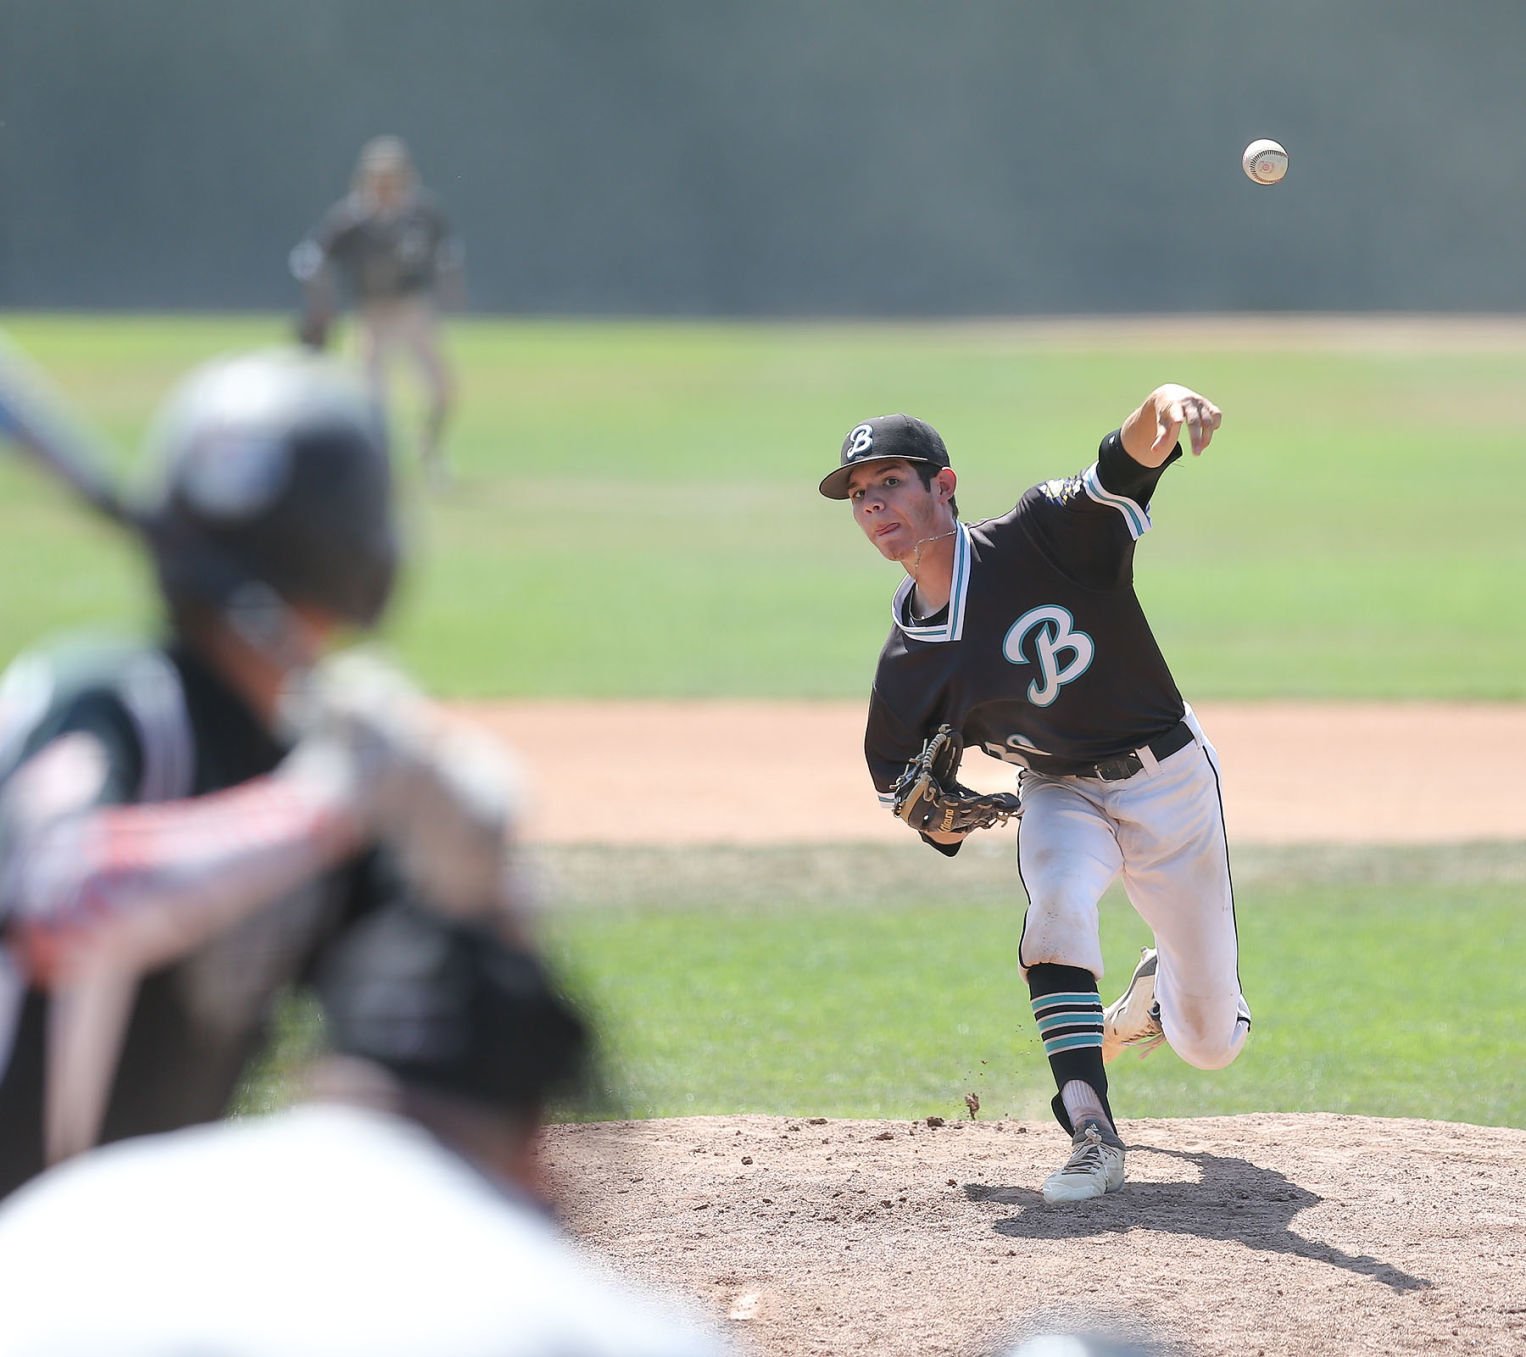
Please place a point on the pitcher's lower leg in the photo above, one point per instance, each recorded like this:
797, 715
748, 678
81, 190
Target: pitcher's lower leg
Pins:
1068, 1011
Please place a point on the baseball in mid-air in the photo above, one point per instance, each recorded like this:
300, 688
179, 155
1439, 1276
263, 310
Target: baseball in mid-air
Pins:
1265, 161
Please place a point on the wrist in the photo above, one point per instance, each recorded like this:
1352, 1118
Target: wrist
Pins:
329, 788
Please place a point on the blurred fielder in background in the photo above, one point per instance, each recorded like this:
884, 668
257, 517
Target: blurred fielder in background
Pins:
389, 249
394, 1214
185, 827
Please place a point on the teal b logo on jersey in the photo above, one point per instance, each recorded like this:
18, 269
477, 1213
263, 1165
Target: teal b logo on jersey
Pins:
1050, 627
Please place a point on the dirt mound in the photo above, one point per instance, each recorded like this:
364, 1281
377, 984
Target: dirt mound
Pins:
1244, 1235
1234, 1235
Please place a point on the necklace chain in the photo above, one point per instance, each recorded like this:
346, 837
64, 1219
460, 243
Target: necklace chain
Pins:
916, 565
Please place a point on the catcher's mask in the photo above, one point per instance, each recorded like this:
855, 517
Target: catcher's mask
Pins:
271, 470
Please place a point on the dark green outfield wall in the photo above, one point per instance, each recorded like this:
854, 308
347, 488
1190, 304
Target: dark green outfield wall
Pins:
782, 157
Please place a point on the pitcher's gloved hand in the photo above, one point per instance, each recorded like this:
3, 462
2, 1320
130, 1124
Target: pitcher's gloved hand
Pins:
929, 799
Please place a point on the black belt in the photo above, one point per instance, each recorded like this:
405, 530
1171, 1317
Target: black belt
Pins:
1126, 765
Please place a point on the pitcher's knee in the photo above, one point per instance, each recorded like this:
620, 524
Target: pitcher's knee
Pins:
1206, 1038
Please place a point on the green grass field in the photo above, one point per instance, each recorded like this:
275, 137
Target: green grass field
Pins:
637, 512
637, 517
893, 992
787, 981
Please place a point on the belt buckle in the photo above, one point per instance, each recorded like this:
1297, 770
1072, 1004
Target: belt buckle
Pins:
1120, 768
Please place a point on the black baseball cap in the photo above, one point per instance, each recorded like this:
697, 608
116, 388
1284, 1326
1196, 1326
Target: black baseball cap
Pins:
450, 1006
887, 438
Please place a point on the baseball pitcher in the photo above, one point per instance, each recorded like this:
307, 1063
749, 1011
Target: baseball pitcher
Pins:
1022, 636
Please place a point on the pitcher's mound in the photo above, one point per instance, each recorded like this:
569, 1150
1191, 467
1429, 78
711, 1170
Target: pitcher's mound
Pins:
1274, 1234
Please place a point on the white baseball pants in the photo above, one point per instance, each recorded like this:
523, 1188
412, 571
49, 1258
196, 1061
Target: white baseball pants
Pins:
1162, 831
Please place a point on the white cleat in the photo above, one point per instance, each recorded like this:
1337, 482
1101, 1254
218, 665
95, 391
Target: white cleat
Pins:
1095, 1166
1133, 1019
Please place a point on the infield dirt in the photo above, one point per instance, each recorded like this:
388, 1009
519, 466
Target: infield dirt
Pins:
1275, 1235
1269, 1235
770, 772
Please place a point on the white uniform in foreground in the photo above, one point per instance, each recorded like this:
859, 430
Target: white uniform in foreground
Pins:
326, 1230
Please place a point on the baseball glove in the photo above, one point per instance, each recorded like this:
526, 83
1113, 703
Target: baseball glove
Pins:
929, 799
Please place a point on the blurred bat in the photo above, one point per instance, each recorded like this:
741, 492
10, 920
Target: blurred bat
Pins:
35, 420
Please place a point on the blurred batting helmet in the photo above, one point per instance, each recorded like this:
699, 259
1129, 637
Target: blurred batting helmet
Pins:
273, 469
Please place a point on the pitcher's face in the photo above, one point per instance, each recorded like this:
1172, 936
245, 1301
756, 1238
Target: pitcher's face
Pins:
895, 510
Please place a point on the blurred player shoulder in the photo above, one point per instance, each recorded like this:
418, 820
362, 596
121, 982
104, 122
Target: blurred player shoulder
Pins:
127, 693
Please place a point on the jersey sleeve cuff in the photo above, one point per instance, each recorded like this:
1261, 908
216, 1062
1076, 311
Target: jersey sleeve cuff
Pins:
1116, 479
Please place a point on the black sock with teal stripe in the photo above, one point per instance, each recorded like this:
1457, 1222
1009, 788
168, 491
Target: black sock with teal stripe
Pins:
1068, 1011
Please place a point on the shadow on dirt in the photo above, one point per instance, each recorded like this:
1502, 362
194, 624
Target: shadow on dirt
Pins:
1235, 1201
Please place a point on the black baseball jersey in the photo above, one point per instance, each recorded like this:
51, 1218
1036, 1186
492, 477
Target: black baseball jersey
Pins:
381, 255
169, 728
1043, 656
